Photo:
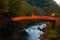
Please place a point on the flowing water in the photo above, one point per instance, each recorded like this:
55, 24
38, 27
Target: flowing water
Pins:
34, 32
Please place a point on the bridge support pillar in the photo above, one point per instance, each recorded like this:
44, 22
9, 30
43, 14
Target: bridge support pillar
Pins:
50, 25
57, 23
54, 24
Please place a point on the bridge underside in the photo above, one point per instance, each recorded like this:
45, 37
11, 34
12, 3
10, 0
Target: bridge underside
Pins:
41, 20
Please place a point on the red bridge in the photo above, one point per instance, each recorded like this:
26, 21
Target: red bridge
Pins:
42, 18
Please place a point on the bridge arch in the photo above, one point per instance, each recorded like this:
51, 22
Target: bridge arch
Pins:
42, 18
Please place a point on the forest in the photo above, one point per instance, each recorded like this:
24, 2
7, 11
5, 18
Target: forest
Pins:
14, 8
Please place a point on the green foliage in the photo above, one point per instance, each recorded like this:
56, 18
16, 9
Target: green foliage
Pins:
6, 5
25, 10
52, 33
21, 7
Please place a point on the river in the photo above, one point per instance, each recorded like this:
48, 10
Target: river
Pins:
33, 32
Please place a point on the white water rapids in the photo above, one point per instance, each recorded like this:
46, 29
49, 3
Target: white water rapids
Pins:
33, 31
